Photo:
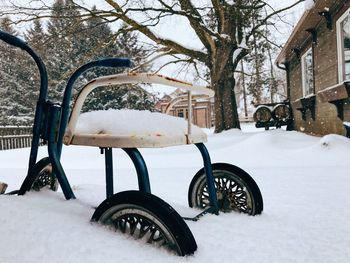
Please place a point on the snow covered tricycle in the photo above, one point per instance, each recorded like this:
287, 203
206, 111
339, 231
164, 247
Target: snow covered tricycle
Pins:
216, 187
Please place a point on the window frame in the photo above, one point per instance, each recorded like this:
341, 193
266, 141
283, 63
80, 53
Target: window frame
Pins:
340, 47
303, 70
180, 113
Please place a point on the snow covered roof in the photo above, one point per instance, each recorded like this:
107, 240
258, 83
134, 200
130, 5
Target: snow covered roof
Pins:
310, 19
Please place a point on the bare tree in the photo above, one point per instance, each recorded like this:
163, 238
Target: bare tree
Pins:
224, 27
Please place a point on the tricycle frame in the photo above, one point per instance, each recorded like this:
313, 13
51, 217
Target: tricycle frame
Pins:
54, 123
51, 120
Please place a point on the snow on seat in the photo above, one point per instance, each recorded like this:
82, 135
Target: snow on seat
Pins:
131, 128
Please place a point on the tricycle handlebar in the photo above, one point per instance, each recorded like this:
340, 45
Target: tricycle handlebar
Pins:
114, 62
12, 40
105, 62
15, 41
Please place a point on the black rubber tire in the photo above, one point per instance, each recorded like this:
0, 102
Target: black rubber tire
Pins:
249, 191
39, 176
147, 208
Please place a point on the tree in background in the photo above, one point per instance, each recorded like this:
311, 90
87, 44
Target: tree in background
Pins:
69, 42
258, 78
5, 72
101, 41
35, 36
14, 108
224, 28
64, 44
256, 59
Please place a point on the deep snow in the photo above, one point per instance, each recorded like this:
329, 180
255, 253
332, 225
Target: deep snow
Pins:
128, 122
304, 181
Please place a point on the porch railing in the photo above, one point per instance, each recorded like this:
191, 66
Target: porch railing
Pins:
13, 137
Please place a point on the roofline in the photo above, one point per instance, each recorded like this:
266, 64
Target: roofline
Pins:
310, 19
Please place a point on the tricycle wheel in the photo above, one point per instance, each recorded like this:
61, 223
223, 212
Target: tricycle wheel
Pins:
39, 176
146, 217
235, 190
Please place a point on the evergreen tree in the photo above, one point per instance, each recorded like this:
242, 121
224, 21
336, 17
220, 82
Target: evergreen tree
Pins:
256, 58
67, 44
87, 42
263, 84
35, 37
5, 72
13, 108
125, 45
63, 45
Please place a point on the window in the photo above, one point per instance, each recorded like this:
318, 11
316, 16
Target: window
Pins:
180, 113
343, 42
307, 73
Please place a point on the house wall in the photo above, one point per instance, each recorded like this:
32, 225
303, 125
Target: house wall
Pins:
325, 75
201, 111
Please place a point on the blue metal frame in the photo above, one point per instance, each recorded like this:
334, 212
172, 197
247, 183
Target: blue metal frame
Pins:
50, 120
347, 128
108, 62
109, 171
54, 116
214, 208
15, 41
50, 123
141, 169
139, 164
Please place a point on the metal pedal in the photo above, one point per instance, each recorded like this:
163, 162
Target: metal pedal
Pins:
210, 210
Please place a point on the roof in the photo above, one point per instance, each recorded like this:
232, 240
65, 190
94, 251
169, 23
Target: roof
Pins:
310, 19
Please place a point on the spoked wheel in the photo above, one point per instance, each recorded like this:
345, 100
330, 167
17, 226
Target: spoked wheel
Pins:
146, 217
40, 176
235, 190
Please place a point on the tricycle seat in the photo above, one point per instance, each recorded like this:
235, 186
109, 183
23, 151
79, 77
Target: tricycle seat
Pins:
133, 129
130, 128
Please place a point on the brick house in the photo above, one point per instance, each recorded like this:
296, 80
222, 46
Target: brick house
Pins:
175, 104
316, 59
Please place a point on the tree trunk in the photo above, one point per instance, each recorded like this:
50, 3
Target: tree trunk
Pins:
272, 75
226, 115
244, 91
257, 85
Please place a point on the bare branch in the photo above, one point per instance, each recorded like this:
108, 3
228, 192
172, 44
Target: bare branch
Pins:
151, 60
268, 40
218, 8
173, 62
150, 34
195, 19
263, 21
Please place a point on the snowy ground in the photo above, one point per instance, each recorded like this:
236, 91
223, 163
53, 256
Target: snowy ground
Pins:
304, 181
